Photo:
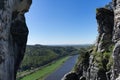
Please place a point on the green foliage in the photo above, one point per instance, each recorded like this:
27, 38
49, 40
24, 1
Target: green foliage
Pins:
43, 72
97, 10
38, 55
83, 54
100, 65
106, 55
110, 63
110, 49
83, 58
104, 60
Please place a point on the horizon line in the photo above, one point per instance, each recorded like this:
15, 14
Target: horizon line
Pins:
62, 44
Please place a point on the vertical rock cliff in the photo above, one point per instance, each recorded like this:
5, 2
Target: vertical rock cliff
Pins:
116, 40
103, 62
102, 52
96, 63
105, 20
13, 36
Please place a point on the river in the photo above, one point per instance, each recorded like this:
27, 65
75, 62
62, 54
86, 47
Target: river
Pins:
65, 68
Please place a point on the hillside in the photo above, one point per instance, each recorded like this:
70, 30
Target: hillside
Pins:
39, 55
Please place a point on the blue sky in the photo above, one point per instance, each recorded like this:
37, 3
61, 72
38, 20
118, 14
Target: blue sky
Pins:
53, 22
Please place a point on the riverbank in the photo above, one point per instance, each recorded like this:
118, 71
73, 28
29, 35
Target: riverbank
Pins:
65, 68
46, 70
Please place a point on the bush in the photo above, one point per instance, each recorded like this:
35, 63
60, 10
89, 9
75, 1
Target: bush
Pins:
104, 60
83, 59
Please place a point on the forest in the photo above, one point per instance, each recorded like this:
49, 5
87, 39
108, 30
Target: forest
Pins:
39, 55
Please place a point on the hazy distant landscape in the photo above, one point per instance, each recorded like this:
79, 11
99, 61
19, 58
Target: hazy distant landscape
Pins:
37, 56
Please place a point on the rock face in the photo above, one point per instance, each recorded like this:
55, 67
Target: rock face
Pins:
13, 36
116, 39
105, 20
98, 67
70, 76
108, 20
103, 62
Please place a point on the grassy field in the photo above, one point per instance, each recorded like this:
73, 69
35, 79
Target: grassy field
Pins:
43, 72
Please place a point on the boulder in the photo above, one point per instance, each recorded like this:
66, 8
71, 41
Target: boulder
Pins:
70, 76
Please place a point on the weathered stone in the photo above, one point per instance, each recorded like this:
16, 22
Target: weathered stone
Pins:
92, 71
118, 78
116, 36
70, 76
2, 4
116, 57
13, 36
105, 20
108, 20
108, 75
101, 74
116, 39
82, 78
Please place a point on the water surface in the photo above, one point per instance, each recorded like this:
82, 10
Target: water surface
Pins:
65, 68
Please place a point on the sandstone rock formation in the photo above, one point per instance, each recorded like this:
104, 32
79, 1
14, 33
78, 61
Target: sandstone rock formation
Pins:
105, 20
13, 36
70, 76
116, 40
98, 67
104, 60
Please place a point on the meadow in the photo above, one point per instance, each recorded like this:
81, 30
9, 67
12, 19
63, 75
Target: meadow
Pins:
42, 73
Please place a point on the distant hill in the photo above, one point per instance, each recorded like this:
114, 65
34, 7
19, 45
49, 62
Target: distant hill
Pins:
78, 46
39, 55
82, 46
